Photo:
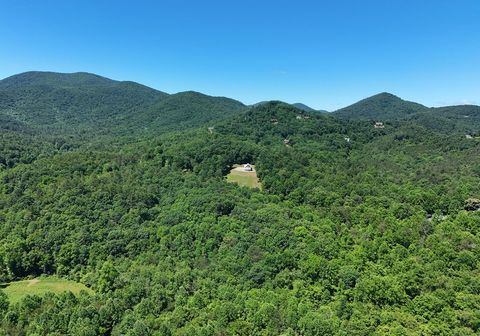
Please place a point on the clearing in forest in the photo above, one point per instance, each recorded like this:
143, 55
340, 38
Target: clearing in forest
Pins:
17, 290
244, 177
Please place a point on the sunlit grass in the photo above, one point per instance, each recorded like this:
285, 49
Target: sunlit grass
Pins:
19, 289
243, 178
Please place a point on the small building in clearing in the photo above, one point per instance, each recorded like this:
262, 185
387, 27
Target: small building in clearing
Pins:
379, 124
248, 167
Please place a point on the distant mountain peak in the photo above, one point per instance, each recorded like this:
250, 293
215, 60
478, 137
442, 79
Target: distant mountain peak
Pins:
385, 94
81, 101
385, 97
384, 105
35, 78
299, 106
304, 107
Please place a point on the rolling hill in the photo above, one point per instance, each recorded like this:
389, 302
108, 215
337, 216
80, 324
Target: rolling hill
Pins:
384, 106
303, 107
300, 106
72, 102
389, 108
464, 118
87, 103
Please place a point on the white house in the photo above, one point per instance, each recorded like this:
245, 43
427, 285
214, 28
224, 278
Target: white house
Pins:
248, 167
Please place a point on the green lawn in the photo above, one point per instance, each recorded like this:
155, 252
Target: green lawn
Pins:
18, 289
242, 178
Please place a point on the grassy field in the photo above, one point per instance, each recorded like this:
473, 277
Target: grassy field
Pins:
18, 289
243, 178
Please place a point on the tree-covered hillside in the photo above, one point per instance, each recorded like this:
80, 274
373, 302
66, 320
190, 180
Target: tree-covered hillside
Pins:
385, 106
67, 103
462, 118
357, 230
304, 107
86, 104
190, 109
54, 112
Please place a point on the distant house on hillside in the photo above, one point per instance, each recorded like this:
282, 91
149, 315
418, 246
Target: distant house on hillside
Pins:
379, 124
286, 141
248, 167
468, 136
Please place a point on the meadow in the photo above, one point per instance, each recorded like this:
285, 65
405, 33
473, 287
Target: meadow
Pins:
17, 290
244, 178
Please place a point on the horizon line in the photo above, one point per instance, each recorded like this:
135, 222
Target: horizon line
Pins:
461, 102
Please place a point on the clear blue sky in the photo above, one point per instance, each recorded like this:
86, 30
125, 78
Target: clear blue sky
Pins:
326, 54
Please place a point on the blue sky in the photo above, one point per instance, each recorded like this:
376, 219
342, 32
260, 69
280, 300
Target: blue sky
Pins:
327, 54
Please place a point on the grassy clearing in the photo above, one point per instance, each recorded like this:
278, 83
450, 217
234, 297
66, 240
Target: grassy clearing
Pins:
18, 289
243, 178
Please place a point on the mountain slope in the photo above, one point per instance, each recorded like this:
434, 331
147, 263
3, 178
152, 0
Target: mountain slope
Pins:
383, 106
448, 119
68, 103
304, 107
387, 107
82, 103
189, 109
339, 241
54, 79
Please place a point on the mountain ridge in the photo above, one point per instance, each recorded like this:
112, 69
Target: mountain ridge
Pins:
383, 104
69, 103
85, 102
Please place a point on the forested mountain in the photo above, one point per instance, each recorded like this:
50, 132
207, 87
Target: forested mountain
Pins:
188, 109
385, 106
67, 103
356, 231
464, 118
299, 106
66, 111
304, 107
82, 103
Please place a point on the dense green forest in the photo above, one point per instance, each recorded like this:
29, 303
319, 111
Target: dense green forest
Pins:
357, 230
